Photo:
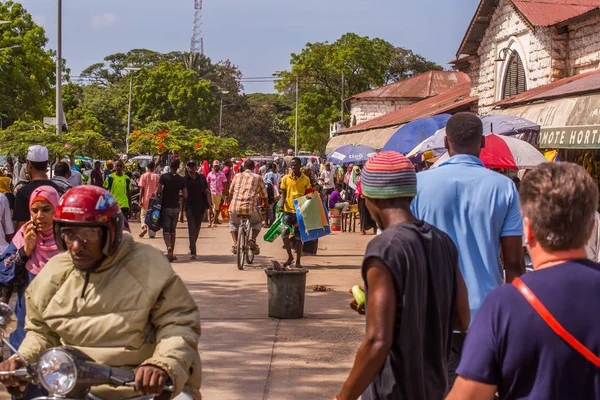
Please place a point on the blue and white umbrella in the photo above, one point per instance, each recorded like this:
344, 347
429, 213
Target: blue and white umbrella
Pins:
356, 154
410, 135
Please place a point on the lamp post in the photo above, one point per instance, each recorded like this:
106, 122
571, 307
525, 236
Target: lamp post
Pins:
59, 68
131, 70
223, 93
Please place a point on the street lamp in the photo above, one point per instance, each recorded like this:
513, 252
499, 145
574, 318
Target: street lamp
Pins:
223, 93
131, 70
279, 73
59, 68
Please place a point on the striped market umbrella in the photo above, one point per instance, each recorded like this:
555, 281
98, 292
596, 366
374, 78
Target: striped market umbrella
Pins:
504, 152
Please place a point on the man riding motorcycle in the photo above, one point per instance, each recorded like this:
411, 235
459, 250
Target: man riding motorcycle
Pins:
115, 299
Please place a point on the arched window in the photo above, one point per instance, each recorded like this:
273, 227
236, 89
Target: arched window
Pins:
515, 81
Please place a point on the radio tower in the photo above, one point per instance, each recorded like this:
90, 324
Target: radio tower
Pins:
197, 46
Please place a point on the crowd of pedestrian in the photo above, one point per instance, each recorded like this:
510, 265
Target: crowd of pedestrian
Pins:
450, 312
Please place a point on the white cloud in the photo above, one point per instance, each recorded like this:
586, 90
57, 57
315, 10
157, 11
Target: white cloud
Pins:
103, 20
39, 19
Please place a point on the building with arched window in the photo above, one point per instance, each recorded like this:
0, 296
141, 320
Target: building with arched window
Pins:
512, 46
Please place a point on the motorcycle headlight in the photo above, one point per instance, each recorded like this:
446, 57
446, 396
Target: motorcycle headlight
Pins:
57, 371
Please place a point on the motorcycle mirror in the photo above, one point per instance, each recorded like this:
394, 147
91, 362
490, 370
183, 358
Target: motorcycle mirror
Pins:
8, 319
8, 324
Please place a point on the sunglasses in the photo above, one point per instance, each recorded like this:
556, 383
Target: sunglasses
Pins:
82, 235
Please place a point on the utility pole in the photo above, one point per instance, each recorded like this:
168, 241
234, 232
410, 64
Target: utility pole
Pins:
221, 117
59, 70
131, 72
223, 93
343, 90
296, 131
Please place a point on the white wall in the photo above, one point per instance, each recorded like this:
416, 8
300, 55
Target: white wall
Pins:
508, 30
363, 110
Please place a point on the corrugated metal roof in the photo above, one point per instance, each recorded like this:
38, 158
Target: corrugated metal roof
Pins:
376, 139
442, 103
421, 86
536, 12
551, 12
588, 82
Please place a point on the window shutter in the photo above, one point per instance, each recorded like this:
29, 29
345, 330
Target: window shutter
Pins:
515, 81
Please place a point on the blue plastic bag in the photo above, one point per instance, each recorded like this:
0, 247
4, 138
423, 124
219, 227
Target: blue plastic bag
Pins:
307, 236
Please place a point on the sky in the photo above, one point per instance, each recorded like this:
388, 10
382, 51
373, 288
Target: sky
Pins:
258, 36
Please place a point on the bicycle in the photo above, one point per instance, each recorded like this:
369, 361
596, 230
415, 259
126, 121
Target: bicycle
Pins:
244, 253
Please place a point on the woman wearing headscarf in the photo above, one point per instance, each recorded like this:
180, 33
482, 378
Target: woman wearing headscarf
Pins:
29, 251
353, 181
366, 221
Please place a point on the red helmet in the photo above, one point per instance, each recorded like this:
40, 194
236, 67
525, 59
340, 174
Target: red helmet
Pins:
90, 206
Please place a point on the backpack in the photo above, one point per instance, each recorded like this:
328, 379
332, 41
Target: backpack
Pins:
270, 192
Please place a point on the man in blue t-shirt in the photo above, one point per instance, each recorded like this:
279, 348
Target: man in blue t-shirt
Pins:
510, 348
479, 209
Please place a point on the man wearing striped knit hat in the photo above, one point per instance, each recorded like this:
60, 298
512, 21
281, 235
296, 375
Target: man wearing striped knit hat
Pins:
415, 293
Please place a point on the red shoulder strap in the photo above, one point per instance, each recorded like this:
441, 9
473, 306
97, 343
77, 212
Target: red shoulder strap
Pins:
554, 324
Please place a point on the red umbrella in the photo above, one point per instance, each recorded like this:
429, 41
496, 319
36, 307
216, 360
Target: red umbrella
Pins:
505, 152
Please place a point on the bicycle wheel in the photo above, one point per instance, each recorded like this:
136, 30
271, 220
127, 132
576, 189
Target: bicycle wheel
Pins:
249, 253
241, 247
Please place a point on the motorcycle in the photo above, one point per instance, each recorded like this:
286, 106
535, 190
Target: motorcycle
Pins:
69, 374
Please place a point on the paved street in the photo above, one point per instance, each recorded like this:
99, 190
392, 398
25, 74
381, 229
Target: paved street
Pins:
246, 354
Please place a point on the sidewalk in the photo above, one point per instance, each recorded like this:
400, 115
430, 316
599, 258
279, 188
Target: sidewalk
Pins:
246, 354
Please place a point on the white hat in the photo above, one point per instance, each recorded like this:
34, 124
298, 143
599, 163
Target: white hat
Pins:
37, 154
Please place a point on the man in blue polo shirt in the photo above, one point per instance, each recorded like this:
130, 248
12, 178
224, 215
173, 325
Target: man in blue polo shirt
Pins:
479, 210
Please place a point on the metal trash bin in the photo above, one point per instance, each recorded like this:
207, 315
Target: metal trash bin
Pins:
287, 291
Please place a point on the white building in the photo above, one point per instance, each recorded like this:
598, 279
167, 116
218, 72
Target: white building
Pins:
512, 46
389, 98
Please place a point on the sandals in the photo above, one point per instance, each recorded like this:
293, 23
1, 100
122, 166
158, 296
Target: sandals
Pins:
254, 247
234, 250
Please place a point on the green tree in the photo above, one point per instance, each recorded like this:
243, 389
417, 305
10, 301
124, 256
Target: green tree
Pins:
169, 92
161, 137
108, 104
27, 72
18, 137
258, 122
365, 63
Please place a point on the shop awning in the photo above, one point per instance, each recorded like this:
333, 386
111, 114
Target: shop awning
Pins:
570, 122
376, 138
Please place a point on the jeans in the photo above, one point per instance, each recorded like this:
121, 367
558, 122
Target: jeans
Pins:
168, 220
194, 219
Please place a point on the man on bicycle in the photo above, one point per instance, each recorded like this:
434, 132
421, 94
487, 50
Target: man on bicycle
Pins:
245, 191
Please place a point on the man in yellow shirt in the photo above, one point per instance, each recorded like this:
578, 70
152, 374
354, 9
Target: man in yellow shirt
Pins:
294, 185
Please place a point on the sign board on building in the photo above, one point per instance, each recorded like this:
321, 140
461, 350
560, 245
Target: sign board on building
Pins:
567, 123
570, 137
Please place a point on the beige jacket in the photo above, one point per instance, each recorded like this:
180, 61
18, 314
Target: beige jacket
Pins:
135, 311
